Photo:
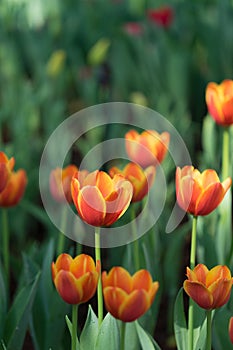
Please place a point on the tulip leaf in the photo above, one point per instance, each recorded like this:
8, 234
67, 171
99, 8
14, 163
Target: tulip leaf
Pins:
131, 337
3, 302
18, 317
109, 335
199, 327
145, 339
70, 326
90, 331
220, 326
180, 325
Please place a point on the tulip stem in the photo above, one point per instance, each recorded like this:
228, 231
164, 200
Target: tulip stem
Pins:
192, 265
123, 326
209, 330
135, 243
99, 287
225, 154
61, 239
74, 326
5, 244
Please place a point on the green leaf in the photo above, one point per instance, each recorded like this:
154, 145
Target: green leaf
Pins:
70, 326
3, 303
109, 335
90, 331
18, 317
145, 340
180, 325
199, 327
131, 337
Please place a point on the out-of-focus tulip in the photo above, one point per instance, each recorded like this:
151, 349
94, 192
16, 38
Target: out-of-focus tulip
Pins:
199, 193
14, 190
210, 289
60, 181
6, 166
162, 16
133, 28
100, 200
219, 99
128, 297
75, 279
140, 179
147, 148
231, 329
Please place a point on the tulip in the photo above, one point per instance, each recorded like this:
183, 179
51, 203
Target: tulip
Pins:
147, 148
6, 165
60, 180
199, 193
140, 179
128, 297
14, 189
133, 28
75, 279
219, 100
162, 16
100, 200
210, 289
231, 329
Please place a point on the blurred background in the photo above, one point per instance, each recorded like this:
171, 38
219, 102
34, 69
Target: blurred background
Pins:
58, 57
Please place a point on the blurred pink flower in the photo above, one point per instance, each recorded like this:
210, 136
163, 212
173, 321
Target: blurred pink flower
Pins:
133, 28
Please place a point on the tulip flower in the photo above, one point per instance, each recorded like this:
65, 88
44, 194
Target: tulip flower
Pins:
60, 180
100, 200
219, 100
14, 189
75, 279
133, 28
140, 179
147, 148
6, 165
199, 193
210, 289
162, 16
128, 297
231, 329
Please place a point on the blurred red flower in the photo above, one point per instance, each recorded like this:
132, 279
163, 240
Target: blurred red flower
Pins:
162, 16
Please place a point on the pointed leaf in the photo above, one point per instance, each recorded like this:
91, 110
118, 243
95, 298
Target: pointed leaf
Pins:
180, 325
3, 303
70, 326
90, 331
109, 335
145, 340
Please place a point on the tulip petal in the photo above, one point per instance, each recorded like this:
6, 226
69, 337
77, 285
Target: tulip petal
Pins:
199, 293
134, 306
226, 184
63, 262
66, 285
114, 297
208, 177
200, 272
216, 273
14, 190
87, 283
142, 280
209, 199
220, 290
91, 205
104, 183
82, 264
75, 188
118, 277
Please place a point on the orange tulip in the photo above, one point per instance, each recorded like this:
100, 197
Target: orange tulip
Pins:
100, 200
14, 189
231, 329
6, 165
147, 148
75, 279
128, 297
210, 289
199, 193
60, 180
219, 100
140, 179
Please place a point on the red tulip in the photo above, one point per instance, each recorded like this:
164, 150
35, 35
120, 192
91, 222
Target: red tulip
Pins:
6, 165
100, 200
199, 193
162, 16
60, 181
75, 279
147, 148
14, 190
219, 99
128, 297
140, 179
210, 289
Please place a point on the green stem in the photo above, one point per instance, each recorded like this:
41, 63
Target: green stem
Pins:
123, 326
74, 327
99, 287
135, 242
61, 240
5, 244
209, 330
192, 265
225, 153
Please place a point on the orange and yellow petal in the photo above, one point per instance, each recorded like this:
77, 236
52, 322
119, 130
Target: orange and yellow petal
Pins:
220, 291
209, 199
142, 280
199, 293
82, 264
114, 297
134, 305
199, 273
104, 183
69, 290
118, 277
